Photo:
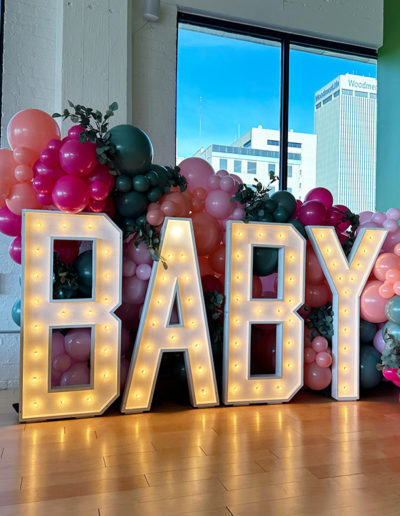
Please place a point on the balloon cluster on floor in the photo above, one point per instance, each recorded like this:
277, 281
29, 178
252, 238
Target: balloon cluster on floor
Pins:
98, 169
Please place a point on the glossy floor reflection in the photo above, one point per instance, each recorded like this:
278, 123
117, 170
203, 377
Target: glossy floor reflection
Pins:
312, 456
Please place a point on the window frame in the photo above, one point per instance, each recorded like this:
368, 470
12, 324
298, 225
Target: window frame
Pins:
286, 40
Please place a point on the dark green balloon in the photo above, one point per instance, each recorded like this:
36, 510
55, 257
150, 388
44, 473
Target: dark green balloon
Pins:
267, 217
270, 206
154, 195
141, 183
370, 377
128, 224
367, 331
134, 150
84, 267
392, 309
141, 219
123, 183
285, 200
281, 214
392, 329
299, 226
131, 204
265, 261
153, 178
16, 312
85, 291
162, 174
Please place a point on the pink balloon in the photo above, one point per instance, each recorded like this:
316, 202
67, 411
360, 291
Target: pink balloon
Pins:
15, 249
139, 254
143, 271
10, 224
54, 144
71, 194
128, 268
61, 363
238, 179
22, 196
74, 132
365, 216
213, 182
50, 157
218, 204
393, 275
77, 374
155, 217
57, 344
312, 213
237, 214
228, 184
125, 340
367, 225
372, 304
78, 159
78, 343
393, 213
222, 173
391, 225
379, 217
319, 344
316, 377
379, 343
391, 240
309, 355
323, 359
384, 263
43, 184
45, 199
391, 374
196, 171
98, 190
134, 290
386, 290
321, 195
396, 249
23, 173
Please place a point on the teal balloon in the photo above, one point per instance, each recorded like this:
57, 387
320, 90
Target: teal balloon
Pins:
299, 226
392, 309
370, 377
391, 329
83, 266
131, 205
153, 178
155, 194
141, 219
281, 214
367, 331
141, 183
265, 261
285, 200
133, 147
123, 183
16, 312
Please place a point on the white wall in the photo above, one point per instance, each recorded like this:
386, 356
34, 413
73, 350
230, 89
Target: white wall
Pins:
97, 51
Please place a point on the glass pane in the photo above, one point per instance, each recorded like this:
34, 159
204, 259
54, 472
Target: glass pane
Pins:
332, 116
228, 101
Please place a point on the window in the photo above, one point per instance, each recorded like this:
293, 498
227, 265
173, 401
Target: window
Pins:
223, 164
289, 189
372, 95
363, 94
251, 167
237, 166
297, 79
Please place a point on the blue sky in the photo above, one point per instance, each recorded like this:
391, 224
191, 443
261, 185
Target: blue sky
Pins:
239, 85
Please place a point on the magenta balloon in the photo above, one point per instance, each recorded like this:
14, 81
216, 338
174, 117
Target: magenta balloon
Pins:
143, 271
71, 194
49, 157
77, 374
55, 144
218, 204
391, 240
312, 213
78, 343
379, 343
57, 344
10, 224
299, 204
128, 268
43, 184
15, 249
61, 363
139, 254
316, 377
125, 340
196, 171
78, 159
372, 304
323, 359
134, 290
44, 199
43, 170
98, 190
102, 173
321, 195
74, 132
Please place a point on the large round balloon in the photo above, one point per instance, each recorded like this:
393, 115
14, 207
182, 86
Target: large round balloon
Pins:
83, 266
321, 195
134, 150
207, 233
77, 374
32, 128
316, 295
78, 343
78, 159
265, 260
197, 171
370, 377
316, 377
367, 331
372, 304
285, 200
70, 194
312, 213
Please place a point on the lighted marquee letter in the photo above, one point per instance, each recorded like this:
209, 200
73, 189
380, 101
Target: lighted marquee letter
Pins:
180, 281
241, 311
41, 314
346, 278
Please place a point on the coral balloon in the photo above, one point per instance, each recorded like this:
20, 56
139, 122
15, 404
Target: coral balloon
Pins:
319, 344
314, 272
384, 263
71, 194
207, 233
22, 196
372, 304
309, 355
316, 295
7, 166
197, 172
50, 157
43, 184
25, 156
98, 190
386, 290
217, 260
32, 128
316, 377
323, 359
23, 173
155, 217
78, 159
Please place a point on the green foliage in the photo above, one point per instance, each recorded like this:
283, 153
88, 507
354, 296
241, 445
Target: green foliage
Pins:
321, 320
354, 223
258, 205
175, 178
145, 232
95, 126
65, 278
391, 354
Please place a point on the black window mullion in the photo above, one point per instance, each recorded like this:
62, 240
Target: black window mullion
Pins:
284, 115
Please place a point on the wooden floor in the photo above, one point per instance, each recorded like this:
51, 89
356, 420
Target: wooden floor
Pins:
310, 457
